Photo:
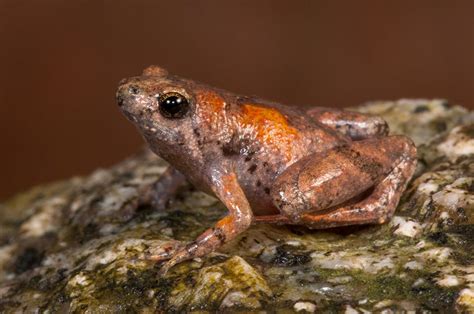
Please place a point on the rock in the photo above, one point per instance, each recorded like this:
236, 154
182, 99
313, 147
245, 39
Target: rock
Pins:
233, 283
305, 307
85, 244
420, 119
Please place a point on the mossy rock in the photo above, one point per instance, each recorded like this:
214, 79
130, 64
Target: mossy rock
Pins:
83, 245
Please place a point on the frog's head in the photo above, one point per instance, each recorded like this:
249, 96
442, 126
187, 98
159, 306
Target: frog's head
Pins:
154, 102
162, 107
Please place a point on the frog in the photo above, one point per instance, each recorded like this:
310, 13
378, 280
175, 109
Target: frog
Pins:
317, 167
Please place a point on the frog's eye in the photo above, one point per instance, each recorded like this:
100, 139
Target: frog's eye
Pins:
173, 105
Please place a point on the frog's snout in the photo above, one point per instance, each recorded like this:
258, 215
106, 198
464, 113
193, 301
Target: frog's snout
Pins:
126, 93
120, 98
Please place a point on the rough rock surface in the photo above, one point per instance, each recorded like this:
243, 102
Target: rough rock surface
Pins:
82, 245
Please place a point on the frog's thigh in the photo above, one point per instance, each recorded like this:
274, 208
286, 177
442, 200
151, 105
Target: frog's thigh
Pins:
375, 209
356, 125
324, 181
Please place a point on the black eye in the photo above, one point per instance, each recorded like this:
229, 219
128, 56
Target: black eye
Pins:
173, 105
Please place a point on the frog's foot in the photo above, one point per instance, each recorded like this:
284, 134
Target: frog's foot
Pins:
324, 192
207, 242
180, 255
238, 220
164, 252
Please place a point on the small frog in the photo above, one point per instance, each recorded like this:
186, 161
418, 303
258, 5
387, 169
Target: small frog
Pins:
266, 162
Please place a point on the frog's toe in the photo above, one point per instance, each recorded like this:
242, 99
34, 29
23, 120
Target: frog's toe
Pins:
164, 252
178, 257
165, 268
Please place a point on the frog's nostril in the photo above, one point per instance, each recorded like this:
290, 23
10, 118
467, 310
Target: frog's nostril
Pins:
134, 90
120, 99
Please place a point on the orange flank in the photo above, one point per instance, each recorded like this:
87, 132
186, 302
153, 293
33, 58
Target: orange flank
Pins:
271, 127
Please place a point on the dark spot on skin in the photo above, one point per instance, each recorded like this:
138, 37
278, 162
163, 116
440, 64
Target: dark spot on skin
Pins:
28, 259
364, 164
232, 147
265, 164
267, 190
219, 233
249, 155
259, 183
287, 257
196, 131
229, 151
252, 168
218, 142
420, 109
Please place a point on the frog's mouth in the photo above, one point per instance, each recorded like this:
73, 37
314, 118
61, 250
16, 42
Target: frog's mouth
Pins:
149, 130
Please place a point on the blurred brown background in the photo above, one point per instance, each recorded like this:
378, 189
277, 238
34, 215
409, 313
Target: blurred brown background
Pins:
60, 62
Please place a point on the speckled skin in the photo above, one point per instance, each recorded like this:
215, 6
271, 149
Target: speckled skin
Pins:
268, 162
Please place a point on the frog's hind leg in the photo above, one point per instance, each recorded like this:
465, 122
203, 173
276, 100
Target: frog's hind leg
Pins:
356, 125
315, 190
377, 208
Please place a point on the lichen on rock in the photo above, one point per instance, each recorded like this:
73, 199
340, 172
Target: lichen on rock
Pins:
85, 244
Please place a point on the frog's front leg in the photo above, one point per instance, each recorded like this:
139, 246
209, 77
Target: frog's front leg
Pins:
164, 189
228, 190
357, 126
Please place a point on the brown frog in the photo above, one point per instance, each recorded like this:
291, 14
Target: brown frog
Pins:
266, 162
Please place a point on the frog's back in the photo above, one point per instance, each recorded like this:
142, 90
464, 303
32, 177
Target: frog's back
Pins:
287, 130
269, 139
